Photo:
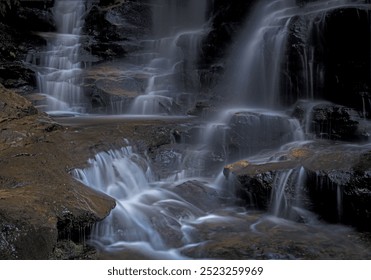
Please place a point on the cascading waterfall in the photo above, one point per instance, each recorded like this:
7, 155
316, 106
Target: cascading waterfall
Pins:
151, 217
170, 55
254, 78
254, 74
61, 67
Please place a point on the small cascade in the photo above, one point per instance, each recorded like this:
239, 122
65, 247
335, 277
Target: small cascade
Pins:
170, 57
148, 216
288, 196
59, 65
163, 219
243, 132
152, 215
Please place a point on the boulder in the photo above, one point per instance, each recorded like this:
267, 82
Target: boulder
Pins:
249, 132
254, 183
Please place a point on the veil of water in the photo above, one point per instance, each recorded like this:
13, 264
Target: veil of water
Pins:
58, 79
155, 218
178, 27
255, 72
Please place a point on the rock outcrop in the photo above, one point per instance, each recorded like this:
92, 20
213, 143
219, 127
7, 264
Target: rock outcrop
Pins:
40, 202
18, 37
336, 184
115, 29
326, 120
322, 65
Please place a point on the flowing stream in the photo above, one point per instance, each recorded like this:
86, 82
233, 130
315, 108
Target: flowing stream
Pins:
155, 216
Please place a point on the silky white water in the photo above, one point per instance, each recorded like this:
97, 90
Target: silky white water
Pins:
58, 79
178, 27
154, 216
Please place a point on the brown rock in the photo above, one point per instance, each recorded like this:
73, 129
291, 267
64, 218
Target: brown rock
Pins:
40, 202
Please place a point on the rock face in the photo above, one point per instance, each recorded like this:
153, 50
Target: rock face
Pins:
115, 29
322, 65
40, 202
326, 120
18, 29
247, 132
336, 185
339, 183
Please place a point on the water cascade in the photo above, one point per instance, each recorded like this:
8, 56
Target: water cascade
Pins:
155, 218
254, 74
170, 57
60, 66
150, 216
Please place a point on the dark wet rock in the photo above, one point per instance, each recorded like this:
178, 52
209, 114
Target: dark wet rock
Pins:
166, 160
253, 183
18, 37
336, 184
248, 132
69, 250
253, 236
198, 194
227, 19
341, 189
116, 29
339, 65
109, 89
331, 121
200, 108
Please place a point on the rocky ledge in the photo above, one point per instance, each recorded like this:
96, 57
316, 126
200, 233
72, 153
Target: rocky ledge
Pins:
41, 204
333, 179
44, 212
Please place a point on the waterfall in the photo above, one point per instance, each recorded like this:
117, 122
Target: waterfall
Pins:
148, 216
156, 217
60, 64
255, 72
170, 56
